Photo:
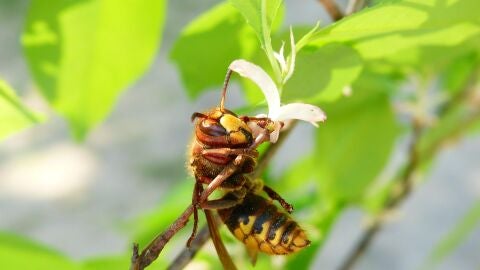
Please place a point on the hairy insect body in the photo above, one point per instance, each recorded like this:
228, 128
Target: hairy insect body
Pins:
220, 137
222, 156
261, 226
217, 130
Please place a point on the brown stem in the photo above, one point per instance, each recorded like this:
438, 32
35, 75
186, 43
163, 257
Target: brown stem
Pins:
354, 6
203, 235
404, 186
187, 254
151, 252
331, 7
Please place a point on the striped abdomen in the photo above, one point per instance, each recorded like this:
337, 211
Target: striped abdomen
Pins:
261, 226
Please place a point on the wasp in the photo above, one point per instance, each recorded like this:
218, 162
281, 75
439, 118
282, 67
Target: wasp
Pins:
223, 154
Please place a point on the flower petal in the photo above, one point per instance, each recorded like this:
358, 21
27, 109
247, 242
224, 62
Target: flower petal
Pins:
301, 111
260, 78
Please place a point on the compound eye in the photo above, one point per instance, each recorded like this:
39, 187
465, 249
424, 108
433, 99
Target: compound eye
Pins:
212, 128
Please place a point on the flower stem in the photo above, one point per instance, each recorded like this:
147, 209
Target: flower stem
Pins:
267, 44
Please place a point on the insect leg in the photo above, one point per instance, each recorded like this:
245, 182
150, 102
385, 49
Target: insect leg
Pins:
219, 204
222, 252
229, 151
275, 196
262, 137
229, 169
197, 191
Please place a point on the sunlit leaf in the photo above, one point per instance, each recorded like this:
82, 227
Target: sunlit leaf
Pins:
453, 64
260, 15
459, 73
83, 54
353, 146
391, 27
321, 75
209, 44
14, 116
19, 253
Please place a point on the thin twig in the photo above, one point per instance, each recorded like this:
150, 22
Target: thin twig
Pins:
404, 186
203, 235
151, 252
332, 8
187, 254
354, 6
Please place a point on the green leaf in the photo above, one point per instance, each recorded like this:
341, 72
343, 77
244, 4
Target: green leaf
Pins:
83, 54
106, 263
459, 72
209, 44
14, 116
315, 209
260, 15
19, 253
355, 142
321, 75
117, 262
452, 63
455, 237
388, 28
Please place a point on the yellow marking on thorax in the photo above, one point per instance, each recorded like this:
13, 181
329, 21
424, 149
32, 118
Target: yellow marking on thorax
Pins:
232, 123
237, 137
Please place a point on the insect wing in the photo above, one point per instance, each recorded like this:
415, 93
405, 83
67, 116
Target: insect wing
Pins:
218, 243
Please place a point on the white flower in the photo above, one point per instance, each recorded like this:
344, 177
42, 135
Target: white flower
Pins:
286, 65
277, 112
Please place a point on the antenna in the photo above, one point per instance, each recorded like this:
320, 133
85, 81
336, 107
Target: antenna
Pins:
224, 90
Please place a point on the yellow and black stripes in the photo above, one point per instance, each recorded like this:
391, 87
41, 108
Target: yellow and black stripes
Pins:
261, 226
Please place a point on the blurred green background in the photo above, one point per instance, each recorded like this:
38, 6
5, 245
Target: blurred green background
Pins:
100, 167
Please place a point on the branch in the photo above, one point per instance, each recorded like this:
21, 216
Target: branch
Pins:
151, 252
404, 186
354, 6
335, 13
187, 254
203, 235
